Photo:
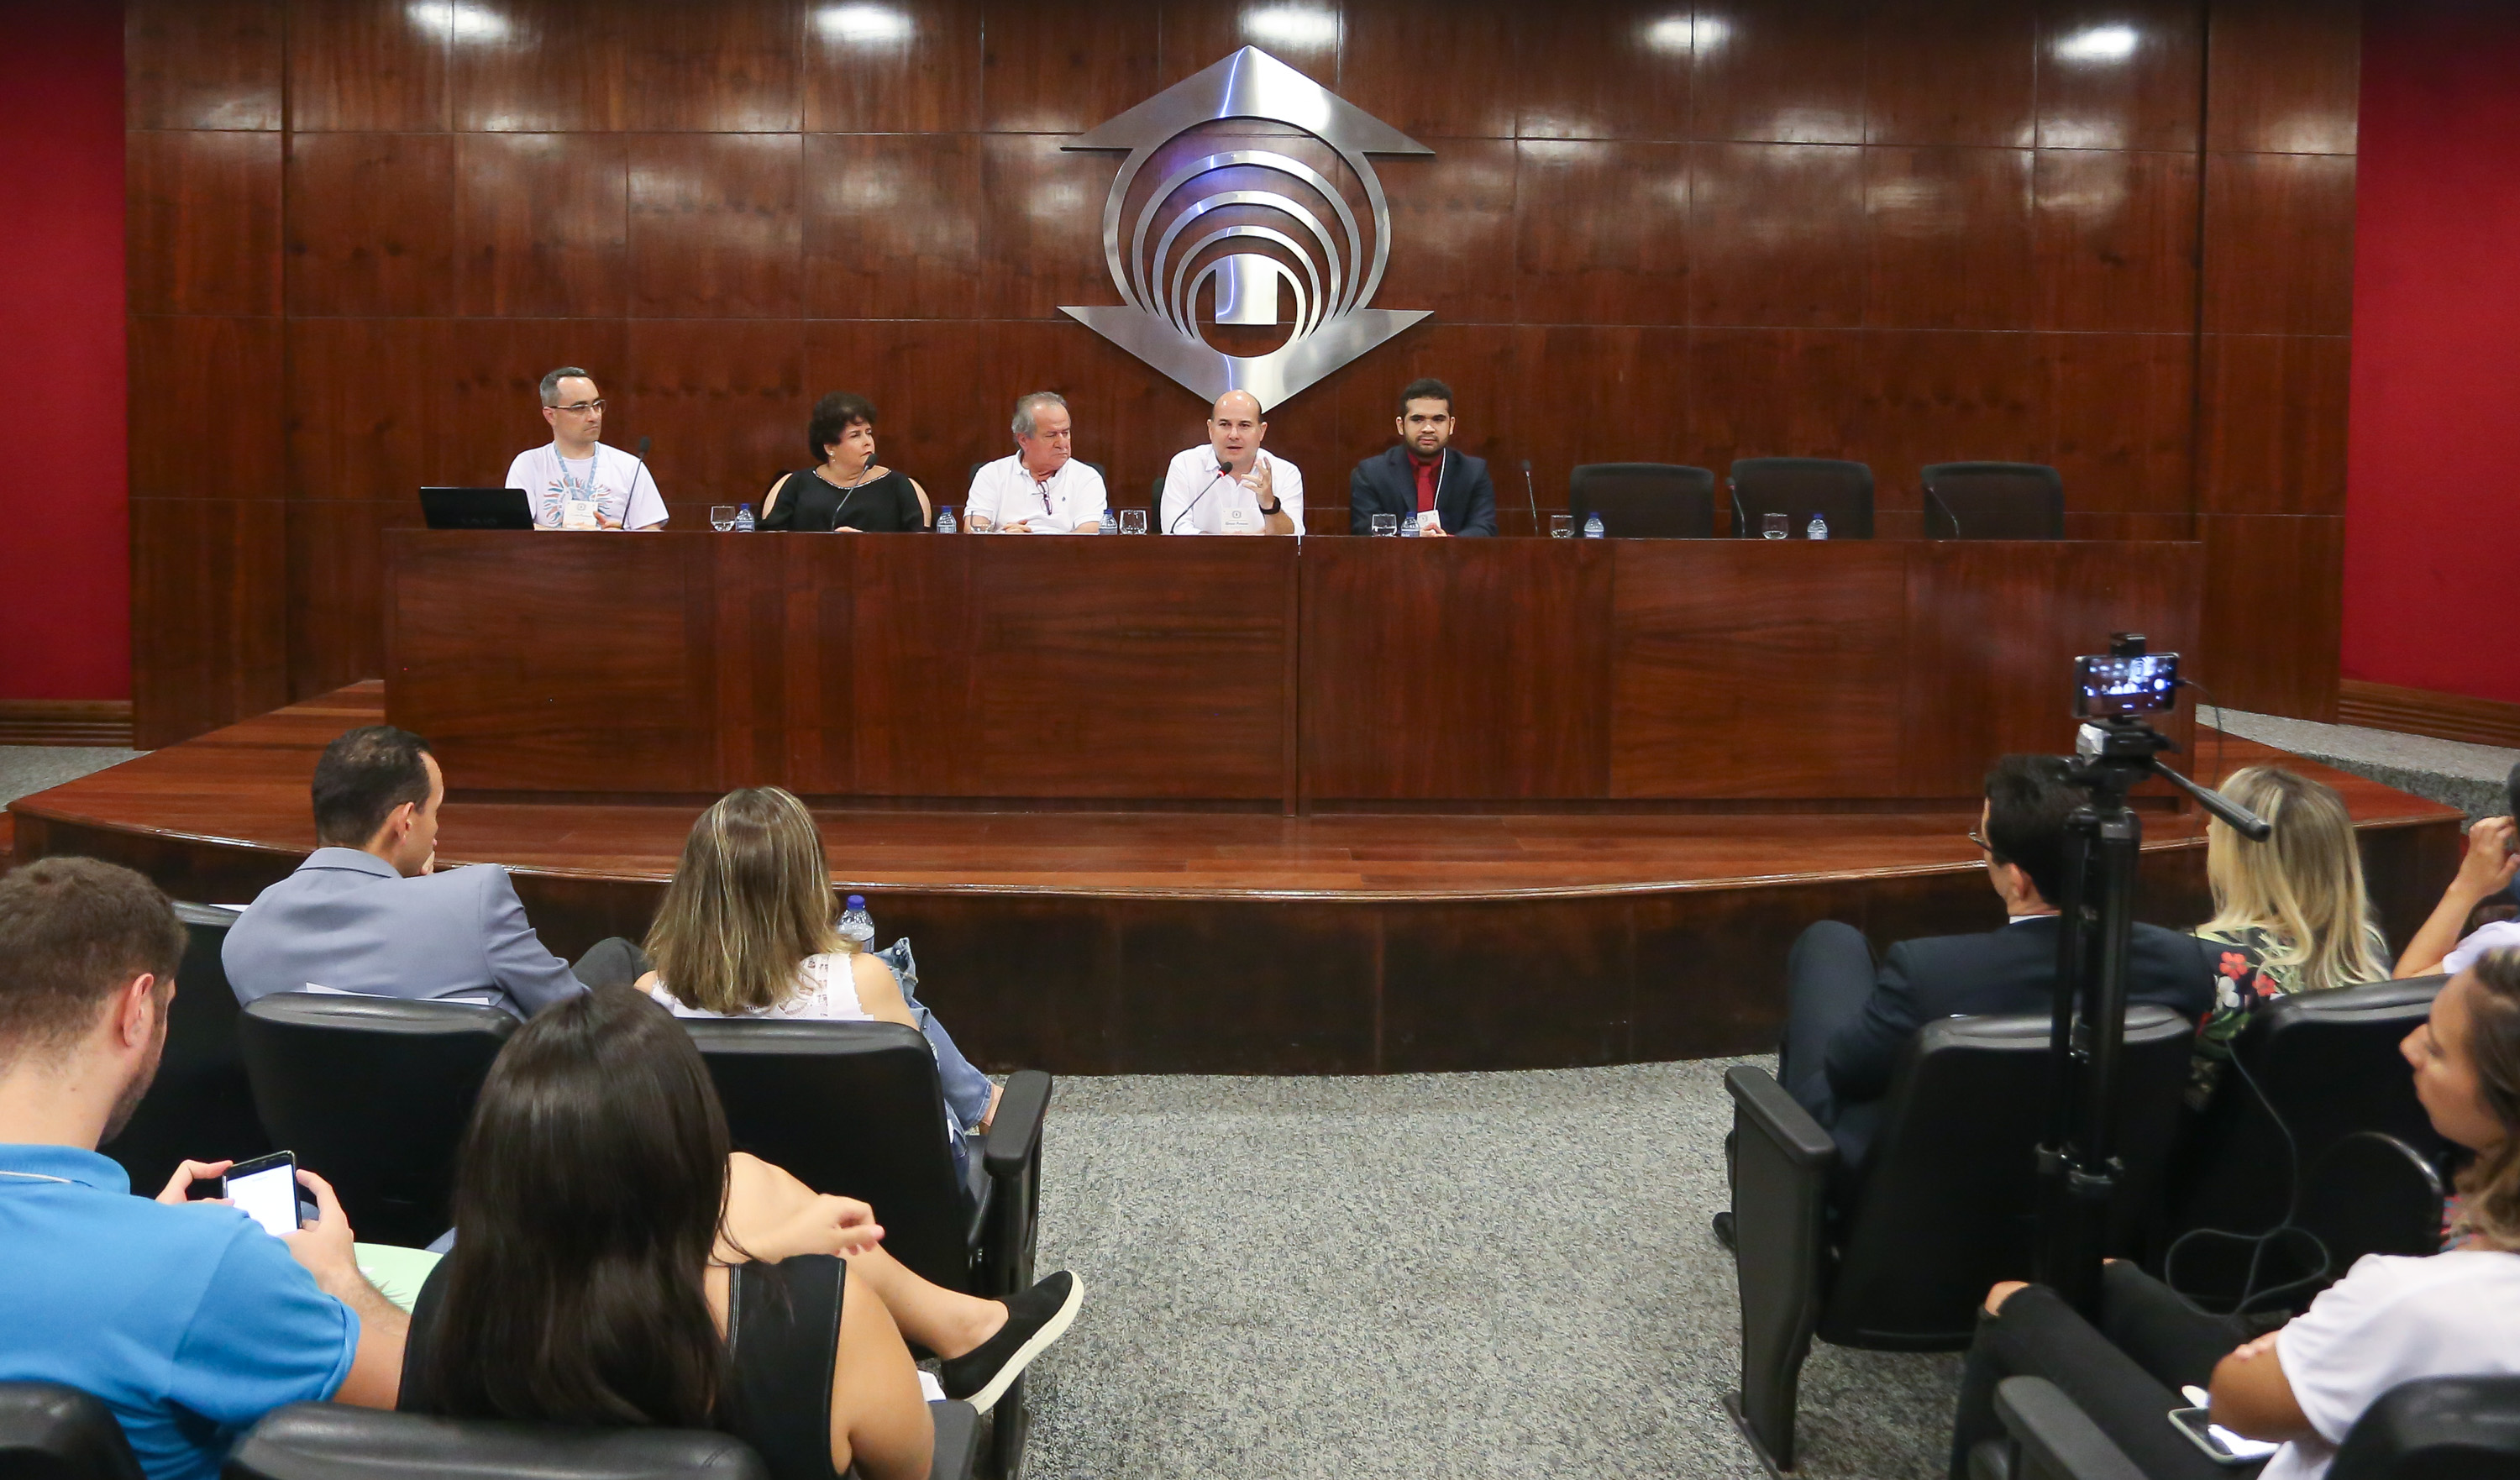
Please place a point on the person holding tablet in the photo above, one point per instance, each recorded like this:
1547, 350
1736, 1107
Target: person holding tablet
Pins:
575, 482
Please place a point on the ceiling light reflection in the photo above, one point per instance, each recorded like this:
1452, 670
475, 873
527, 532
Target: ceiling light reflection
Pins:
453, 20
2099, 44
863, 25
1293, 25
1679, 36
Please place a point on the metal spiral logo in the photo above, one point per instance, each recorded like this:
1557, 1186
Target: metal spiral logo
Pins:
1248, 224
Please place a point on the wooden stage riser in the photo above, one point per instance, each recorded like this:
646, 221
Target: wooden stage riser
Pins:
1102, 984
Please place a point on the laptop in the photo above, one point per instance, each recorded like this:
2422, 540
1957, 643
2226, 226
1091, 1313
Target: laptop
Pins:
476, 509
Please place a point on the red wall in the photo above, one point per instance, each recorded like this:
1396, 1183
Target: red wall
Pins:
2433, 465
64, 570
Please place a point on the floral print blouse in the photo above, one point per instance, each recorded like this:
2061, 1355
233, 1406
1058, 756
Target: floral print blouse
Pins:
2244, 979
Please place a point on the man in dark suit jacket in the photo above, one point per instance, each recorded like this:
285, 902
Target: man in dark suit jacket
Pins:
1424, 475
1847, 1022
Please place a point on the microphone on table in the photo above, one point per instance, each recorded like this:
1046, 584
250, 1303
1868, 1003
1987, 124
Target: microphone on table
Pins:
1954, 519
644, 444
1530, 497
1223, 470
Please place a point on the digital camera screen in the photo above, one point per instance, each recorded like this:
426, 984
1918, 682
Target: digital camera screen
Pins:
2109, 685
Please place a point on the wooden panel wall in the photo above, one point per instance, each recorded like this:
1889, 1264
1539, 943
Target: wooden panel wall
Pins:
2114, 235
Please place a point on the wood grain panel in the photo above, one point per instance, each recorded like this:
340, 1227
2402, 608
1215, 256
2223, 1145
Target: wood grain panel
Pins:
2279, 243
544, 66
1487, 1016
336, 590
1196, 34
1775, 392
1040, 214
2114, 240
1779, 234
1580, 266
893, 70
371, 224
1636, 406
1624, 76
2273, 408
943, 398
625, 708
493, 392
202, 64
783, 715
203, 385
915, 692
354, 433
1060, 66
1948, 238
2274, 611
375, 66
1386, 714
1302, 981
1802, 645
2284, 75
1950, 71
725, 400
201, 222
1944, 397
717, 225
1452, 80
1454, 220
729, 67
888, 234
209, 587
2123, 419
1786, 71
2427, 711
542, 225
2119, 74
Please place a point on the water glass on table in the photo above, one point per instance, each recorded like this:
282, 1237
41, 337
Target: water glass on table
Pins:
1386, 523
1133, 522
1774, 527
721, 517
1561, 526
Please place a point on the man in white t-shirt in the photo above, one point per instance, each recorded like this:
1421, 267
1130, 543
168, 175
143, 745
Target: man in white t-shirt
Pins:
1229, 486
1042, 489
574, 481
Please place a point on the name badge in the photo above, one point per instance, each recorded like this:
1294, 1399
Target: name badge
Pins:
577, 514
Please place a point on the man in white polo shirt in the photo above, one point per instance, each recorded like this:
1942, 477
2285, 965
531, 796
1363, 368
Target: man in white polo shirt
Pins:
1229, 486
574, 481
1042, 489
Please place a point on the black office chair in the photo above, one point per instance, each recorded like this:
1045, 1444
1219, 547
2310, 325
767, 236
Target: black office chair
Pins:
51, 1431
1645, 500
199, 1105
1993, 501
1898, 1257
855, 1109
1839, 492
2434, 1428
327, 1441
373, 1094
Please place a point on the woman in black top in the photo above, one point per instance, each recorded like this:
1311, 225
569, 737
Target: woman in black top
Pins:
848, 490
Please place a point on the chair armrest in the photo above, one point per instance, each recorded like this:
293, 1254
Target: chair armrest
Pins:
1761, 1105
958, 1441
1015, 1132
2059, 1440
1782, 1163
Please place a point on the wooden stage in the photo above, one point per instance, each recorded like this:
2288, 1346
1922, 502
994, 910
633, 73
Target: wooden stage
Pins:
1106, 942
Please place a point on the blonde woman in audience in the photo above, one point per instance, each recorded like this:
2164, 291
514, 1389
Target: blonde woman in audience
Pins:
2290, 914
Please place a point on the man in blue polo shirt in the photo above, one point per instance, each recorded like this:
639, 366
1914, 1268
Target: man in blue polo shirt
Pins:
187, 1319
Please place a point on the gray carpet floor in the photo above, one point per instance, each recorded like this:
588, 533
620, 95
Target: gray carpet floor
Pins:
2452, 771
25, 769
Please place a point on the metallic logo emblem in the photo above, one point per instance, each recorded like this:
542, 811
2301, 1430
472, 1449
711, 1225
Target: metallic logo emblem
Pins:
1253, 220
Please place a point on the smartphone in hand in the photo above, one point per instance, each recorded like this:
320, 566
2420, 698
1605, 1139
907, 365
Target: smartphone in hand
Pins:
265, 1189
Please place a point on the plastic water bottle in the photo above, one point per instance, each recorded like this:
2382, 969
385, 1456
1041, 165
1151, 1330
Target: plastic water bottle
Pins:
1110, 521
744, 519
1817, 530
1409, 525
857, 926
1593, 529
945, 520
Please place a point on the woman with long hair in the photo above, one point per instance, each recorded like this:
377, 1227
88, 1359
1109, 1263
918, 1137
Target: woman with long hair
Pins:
2290, 914
611, 1264
2391, 1320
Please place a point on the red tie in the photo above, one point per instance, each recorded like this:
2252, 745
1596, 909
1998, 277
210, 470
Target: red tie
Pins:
1426, 483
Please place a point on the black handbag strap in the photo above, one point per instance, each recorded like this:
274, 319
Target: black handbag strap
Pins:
783, 1328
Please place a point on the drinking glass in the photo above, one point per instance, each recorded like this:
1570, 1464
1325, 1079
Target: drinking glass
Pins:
978, 523
1386, 523
1133, 522
721, 516
1561, 526
1774, 527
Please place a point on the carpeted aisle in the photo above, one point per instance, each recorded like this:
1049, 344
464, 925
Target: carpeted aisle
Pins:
1424, 1275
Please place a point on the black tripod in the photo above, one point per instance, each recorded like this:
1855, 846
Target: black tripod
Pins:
2078, 1167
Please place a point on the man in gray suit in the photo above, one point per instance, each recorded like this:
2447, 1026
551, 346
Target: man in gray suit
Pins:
369, 913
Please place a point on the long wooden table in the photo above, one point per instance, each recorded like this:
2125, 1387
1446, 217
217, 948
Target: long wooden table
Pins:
1261, 674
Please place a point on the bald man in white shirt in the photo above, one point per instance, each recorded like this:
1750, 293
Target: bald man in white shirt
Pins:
1229, 486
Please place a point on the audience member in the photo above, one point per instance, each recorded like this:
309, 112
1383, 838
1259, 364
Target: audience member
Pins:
608, 1251
746, 931
2290, 914
845, 490
2391, 1320
1447, 491
1039, 489
186, 1318
2486, 873
574, 481
369, 913
1229, 486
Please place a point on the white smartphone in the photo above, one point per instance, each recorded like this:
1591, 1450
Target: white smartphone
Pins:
265, 1189
2218, 1442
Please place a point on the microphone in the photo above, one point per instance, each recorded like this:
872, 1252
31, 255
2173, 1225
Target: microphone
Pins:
1530, 497
1223, 470
644, 444
1741, 516
1954, 519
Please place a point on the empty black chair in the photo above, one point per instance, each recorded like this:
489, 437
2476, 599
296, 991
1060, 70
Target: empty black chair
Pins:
199, 1105
1839, 492
327, 1441
2433, 1428
1993, 501
373, 1094
1901, 1256
855, 1109
51, 1431
1645, 500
